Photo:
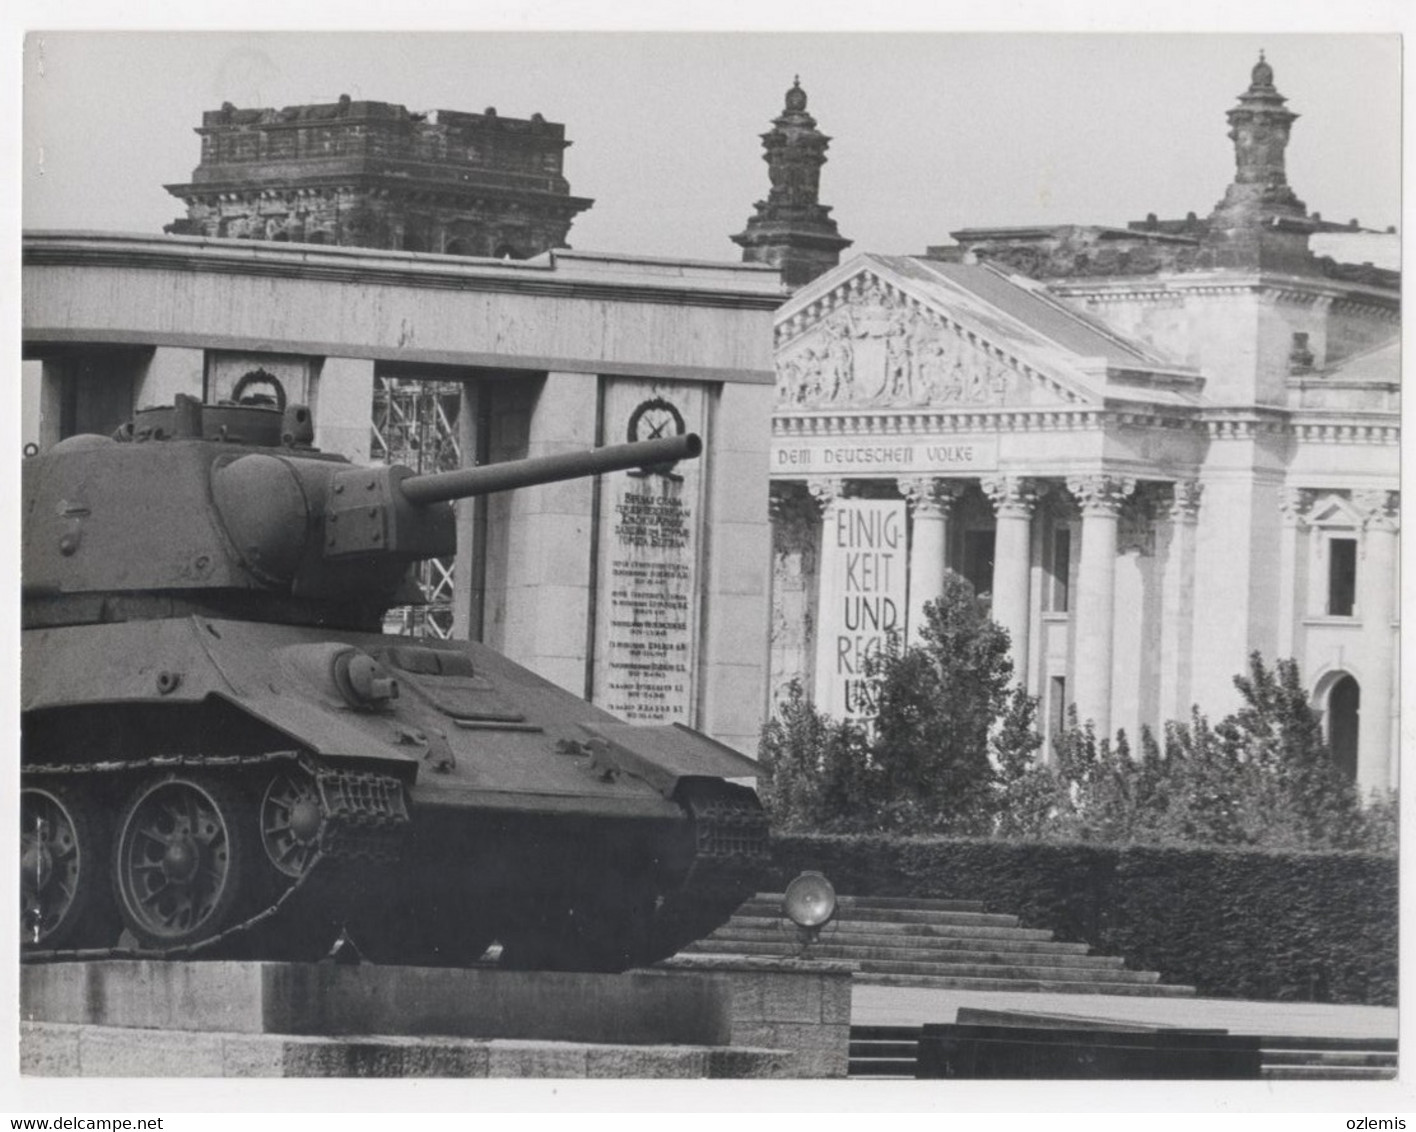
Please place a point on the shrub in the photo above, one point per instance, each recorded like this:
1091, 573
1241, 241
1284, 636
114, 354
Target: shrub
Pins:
814, 772
1297, 926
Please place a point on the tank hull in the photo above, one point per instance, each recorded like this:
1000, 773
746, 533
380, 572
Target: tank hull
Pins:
476, 803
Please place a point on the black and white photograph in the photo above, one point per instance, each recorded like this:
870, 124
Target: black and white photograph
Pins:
811, 564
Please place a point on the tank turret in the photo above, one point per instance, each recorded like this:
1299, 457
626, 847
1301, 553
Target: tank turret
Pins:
222, 755
229, 508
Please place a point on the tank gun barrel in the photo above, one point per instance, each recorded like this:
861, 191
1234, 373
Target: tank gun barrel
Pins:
442, 487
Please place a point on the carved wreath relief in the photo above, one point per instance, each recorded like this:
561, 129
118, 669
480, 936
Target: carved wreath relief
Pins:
876, 353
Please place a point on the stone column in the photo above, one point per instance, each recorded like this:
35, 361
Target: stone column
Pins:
736, 536
1099, 498
825, 490
548, 572
1013, 498
1376, 603
51, 403
343, 405
930, 501
1178, 603
470, 577
171, 370
1293, 504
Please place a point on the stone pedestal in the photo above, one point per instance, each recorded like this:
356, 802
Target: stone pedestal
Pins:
142, 1018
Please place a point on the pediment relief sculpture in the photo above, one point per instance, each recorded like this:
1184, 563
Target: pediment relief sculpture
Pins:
877, 352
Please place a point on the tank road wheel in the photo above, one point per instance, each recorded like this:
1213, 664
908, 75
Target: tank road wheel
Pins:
180, 860
62, 891
291, 822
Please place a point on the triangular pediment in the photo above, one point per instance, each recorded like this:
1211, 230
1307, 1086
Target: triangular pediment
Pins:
1332, 510
871, 339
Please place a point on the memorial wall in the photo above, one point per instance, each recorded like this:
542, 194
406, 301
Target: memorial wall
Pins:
648, 571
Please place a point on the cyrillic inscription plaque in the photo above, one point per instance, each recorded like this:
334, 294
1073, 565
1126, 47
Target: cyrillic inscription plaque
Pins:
646, 605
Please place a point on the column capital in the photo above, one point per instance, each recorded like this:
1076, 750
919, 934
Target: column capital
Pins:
930, 497
1294, 503
787, 499
826, 490
1380, 510
1011, 496
1185, 500
1100, 495
1135, 525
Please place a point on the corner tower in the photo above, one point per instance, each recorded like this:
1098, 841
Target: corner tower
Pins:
375, 175
791, 229
1260, 223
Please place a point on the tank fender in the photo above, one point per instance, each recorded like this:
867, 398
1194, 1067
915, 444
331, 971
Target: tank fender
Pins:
125, 662
186, 660
664, 755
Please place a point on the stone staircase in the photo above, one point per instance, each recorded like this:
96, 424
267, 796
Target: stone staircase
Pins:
892, 1052
954, 944
1329, 1059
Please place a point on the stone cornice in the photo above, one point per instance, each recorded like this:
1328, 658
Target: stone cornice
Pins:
1229, 423
1244, 422
1289, 288
923, 421
1331, 430
674, 285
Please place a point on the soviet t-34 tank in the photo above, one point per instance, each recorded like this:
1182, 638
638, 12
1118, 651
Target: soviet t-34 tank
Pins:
223, 755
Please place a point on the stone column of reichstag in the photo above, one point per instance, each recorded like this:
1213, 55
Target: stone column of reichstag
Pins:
1013, 498
1293, 505
825, 491
1177, 620
1376, 590
930, 502
1099, 498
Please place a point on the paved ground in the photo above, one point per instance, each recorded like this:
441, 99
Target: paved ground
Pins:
908, 1006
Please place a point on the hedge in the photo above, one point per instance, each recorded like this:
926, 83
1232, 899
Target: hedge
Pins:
1277, 926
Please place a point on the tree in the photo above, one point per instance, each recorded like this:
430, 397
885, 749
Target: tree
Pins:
1262, 776
936, 704
1296, 790
944, 715
814, 770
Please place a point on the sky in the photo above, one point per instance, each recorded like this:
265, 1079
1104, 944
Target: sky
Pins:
932, 131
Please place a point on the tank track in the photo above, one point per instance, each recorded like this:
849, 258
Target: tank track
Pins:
363, 816
732, 850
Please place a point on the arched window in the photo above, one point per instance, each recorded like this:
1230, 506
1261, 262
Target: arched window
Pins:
1343, 716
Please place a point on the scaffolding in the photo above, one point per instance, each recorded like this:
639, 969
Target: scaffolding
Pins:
415, 423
